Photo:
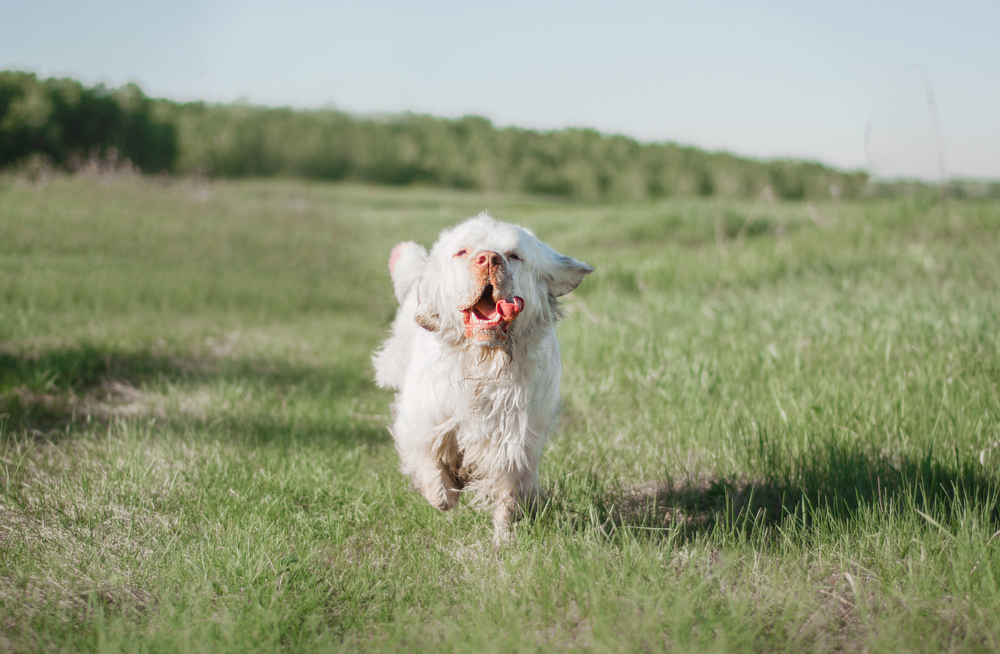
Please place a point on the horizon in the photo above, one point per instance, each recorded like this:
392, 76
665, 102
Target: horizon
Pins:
769, 81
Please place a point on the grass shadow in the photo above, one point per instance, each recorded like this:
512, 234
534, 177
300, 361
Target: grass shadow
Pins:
837, 478
47, 392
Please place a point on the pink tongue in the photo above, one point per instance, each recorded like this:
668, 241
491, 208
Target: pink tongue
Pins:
509, 310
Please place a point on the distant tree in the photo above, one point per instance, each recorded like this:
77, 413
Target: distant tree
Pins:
64, 121
61, 119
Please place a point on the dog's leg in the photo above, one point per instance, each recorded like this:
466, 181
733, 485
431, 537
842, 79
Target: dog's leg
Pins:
429, 458
504, 512
518, 495
437, 485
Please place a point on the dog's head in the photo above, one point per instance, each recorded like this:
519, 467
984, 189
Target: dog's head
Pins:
490, 283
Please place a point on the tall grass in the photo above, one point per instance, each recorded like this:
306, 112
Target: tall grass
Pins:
779, 432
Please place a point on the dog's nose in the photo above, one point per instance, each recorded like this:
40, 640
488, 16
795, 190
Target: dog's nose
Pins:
488, 259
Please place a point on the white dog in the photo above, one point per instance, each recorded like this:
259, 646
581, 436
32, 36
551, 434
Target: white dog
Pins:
474, 357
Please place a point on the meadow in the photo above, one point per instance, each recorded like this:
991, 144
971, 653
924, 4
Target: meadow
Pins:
780, 428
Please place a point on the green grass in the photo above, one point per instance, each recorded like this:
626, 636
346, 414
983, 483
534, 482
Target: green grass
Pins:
780, 430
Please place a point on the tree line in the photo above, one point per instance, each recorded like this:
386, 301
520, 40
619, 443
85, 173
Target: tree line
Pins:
66, 122
63, 121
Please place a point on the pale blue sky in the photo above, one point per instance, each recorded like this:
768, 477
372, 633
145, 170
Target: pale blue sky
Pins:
838, 82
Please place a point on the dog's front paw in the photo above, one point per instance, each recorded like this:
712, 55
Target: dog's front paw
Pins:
504, 513
503, 536
440, 489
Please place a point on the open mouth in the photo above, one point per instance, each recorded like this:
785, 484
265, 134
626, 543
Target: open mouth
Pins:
487, 314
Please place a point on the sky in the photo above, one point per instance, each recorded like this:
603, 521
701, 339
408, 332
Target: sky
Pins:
845, 83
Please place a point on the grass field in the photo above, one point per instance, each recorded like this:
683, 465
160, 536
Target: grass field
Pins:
780, 429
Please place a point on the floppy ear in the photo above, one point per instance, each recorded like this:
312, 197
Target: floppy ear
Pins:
428, 315
406, 263
562, 274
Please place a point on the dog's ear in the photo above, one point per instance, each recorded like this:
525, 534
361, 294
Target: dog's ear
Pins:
562, 274
428, 313
406, 264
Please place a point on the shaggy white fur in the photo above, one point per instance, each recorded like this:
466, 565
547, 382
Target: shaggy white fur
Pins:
475, 362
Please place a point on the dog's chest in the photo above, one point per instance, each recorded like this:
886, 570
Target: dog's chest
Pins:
494, 411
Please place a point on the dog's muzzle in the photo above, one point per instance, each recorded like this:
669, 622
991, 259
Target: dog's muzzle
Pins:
490, 316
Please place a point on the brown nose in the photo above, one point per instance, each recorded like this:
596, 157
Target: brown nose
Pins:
488, 259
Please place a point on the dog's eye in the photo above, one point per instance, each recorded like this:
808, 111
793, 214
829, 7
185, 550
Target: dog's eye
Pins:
461, 253
513, 257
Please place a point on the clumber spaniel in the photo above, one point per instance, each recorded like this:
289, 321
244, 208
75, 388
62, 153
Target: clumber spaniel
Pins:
475, 362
